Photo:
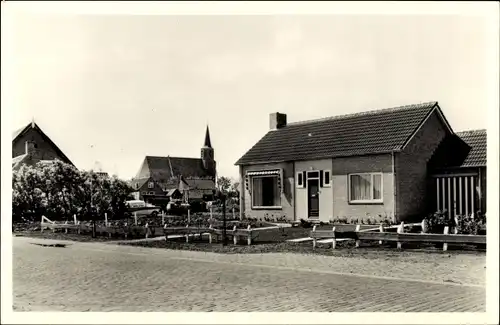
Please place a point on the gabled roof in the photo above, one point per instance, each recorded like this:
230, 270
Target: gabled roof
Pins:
163, 168
373, 132
32, 125
476, 139
138, 182
460, 150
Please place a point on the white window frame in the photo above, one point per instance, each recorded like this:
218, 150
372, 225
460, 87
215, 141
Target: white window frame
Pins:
381, 200
151, 185
301, 175
257, 207
329, 178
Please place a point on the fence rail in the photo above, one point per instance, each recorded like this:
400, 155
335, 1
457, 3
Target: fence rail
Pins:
400, 236
249, 234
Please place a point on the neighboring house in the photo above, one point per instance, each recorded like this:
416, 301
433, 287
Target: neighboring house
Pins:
372, 164
146, 189
458, 174
192, 177
31, 145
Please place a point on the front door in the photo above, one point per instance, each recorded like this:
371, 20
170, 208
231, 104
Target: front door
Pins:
313, 198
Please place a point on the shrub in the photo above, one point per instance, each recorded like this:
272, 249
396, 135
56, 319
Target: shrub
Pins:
436, 222
470, 225
305, 223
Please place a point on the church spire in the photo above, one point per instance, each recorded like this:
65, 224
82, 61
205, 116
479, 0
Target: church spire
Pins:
207, 144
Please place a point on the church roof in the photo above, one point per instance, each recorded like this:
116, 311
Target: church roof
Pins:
163, 168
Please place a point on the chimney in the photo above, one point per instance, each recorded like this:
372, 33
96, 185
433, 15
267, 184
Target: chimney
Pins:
277, 121
29, 147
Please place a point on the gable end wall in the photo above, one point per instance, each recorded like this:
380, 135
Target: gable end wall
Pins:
411, 169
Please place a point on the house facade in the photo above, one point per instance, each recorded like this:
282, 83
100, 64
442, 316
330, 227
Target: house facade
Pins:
366, 165
194, 178
31, 145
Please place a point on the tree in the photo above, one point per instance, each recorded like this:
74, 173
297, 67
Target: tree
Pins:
224, 184
58, 190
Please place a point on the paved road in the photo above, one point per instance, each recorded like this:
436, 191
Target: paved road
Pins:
100, 277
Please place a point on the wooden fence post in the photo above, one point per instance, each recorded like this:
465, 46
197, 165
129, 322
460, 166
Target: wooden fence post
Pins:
446, 232
358, 228
163, 217
381, 229
74, 218
249, 238
147, 229
334, 242
41, 224
166, 234
187, 233
210, 234
401, 229
106, 219
314, 237
211, 212
189, 215
135, 217
66, 229
235, 238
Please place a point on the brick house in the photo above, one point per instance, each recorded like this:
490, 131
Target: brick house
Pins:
31, 145
194, 178
372, 164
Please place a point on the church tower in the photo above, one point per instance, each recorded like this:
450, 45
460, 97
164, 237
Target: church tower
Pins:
207, 153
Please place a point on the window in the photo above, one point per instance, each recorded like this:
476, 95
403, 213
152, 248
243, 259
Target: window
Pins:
312, 174
326, 178
266, 191
300, 179
136, 186
365, 188
151, 193
151, 185
144, 193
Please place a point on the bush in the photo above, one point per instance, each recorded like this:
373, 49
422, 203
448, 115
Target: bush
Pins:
435, 222
305, 223
470, 225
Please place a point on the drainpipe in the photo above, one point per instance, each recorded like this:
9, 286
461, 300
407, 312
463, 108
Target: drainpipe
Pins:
394, 189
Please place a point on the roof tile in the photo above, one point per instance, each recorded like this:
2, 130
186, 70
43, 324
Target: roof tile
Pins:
370, 132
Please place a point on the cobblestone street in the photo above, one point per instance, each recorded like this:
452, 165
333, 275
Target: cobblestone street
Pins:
106, 277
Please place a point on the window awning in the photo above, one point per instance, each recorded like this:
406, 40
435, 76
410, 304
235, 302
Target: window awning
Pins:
264, 172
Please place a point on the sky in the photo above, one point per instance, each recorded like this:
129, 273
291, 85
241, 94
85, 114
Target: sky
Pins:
114, 88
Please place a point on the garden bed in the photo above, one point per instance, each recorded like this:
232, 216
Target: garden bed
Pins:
344, 248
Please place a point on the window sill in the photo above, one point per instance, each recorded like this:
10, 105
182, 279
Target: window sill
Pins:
366, 202
267, 208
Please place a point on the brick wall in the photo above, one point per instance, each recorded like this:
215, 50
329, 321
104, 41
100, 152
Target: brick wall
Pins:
411, 169
287, 197
45, 151
361, 164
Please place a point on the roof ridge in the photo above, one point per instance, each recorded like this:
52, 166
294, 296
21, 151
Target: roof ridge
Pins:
370, 112
471, 131
170, 157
